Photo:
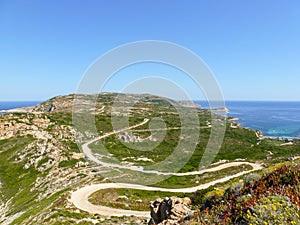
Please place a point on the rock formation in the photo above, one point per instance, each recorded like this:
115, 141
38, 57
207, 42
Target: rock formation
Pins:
128, 137
170, 211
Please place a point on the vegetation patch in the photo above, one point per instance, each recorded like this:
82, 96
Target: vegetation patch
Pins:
130, 199
194, 180
272, 199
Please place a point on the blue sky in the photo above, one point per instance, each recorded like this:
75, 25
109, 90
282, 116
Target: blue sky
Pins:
252, 47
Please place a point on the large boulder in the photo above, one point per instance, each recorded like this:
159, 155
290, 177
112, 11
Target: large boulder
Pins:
170, 211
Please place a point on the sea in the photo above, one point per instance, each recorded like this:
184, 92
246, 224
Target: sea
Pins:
274, 119
12, 105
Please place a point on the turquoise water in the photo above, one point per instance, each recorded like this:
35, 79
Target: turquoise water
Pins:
274, 119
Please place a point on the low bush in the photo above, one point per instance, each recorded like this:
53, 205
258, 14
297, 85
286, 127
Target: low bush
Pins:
272, 199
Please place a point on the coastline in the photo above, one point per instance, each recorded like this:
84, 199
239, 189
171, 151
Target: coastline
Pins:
17, 106
260, 134
264, 116
28, 109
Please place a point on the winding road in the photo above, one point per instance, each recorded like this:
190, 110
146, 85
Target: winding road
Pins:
80, 197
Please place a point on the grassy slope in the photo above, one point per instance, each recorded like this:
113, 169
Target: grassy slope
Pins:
16, 181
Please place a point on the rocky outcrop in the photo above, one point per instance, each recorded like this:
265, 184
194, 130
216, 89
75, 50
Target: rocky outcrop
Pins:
12, 125
52, 108
170, 211
128, 137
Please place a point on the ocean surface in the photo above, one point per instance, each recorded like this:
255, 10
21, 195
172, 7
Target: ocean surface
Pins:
13, 105
274, 119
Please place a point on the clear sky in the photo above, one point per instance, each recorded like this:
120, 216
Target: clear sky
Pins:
253, 47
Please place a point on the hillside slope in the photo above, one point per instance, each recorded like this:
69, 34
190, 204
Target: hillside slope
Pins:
41, 159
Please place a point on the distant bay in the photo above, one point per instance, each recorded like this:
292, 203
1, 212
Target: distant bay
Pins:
274, 119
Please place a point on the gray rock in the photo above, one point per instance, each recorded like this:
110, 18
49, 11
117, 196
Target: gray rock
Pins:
52, 108
171, 210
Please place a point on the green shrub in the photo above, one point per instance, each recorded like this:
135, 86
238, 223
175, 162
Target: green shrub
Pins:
272, 199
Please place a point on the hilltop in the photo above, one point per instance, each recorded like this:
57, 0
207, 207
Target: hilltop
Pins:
65, 103
42, 160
